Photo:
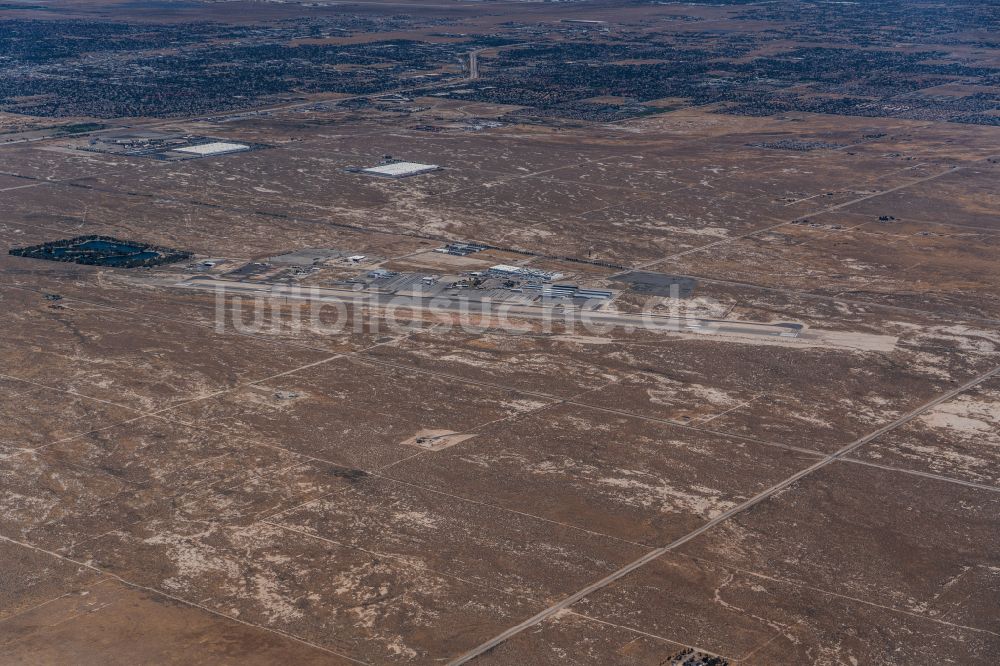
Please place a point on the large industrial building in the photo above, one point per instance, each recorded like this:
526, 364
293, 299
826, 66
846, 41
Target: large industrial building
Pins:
214, 148
520, 272
400, 169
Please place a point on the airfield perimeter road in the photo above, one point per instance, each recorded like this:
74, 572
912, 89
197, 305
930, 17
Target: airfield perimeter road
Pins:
822, 211
739, 508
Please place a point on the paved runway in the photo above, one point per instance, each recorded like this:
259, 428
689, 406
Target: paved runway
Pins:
499, 312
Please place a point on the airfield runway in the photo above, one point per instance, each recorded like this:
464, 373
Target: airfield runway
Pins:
477, 308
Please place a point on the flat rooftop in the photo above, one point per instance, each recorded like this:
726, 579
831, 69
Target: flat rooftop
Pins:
401, 169
214, 148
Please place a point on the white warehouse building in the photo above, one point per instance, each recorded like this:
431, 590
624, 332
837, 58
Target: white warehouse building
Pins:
400, 169
214, 148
